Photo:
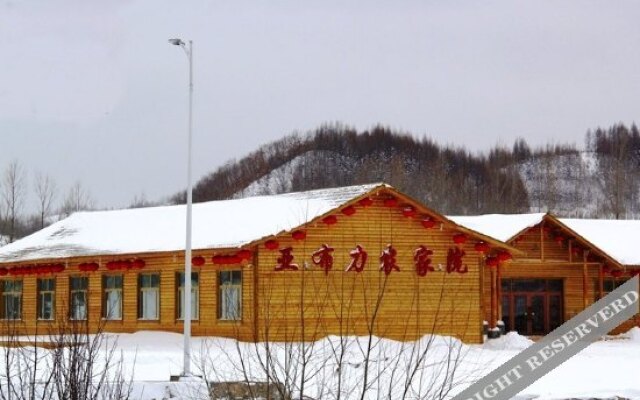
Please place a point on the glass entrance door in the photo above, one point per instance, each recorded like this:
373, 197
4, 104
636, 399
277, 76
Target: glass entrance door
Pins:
532, 306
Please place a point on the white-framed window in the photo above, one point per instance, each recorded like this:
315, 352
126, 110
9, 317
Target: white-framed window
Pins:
195, 296
230, 295
78, 286
112, 297
149, 296
47, 299
11, 299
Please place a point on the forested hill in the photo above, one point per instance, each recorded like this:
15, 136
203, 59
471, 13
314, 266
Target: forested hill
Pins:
599, 180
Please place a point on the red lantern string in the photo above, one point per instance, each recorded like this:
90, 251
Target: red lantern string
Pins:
491, 262
481, 247
504, 256
409, 211
459, 238
299, 235
330, 220
198, 261
86, 267
366, 202
348, 211
428, 223
271, 244
245, 254
390, 202
226, 259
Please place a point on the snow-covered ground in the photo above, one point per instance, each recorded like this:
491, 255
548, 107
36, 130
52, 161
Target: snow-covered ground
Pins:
606, 369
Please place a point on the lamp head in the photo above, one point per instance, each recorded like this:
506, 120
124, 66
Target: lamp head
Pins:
176, 42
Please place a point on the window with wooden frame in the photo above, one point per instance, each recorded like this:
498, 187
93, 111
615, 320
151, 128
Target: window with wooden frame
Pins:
149, 296
609, 284
47, 299
11, 307
112, 297
78, 287
230, 295
195, 296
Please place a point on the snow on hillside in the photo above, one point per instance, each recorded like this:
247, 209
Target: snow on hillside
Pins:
281, 179
606, 369
563, 184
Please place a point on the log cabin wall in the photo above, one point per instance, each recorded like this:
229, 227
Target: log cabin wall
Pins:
167, 264
545, 258
309, 303
294, 305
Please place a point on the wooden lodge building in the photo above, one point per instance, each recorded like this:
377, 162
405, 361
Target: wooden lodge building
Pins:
355, 260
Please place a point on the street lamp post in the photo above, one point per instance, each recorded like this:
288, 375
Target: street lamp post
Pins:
186, 301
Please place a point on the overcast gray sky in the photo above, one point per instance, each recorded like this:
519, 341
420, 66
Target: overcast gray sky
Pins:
92, 91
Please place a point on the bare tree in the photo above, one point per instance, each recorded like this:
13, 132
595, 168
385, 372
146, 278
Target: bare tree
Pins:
45, 188
78, 199
13, 196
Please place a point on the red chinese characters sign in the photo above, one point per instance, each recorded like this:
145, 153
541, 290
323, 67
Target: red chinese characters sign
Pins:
422, 260
388, 261
285, 261
323, 258
454, 261
358, 259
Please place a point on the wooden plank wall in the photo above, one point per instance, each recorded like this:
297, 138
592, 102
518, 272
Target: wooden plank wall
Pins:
168, 265
308, 304
557, 264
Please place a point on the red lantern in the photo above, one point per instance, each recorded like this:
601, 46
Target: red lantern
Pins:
226, 259
459, 238
428, 223
91, 267
198, 261
409, 211
299, 235
481, 247
504, 256
634, 272
575, 250
138, 263
616, 273
559, 239
271, 244
348, 211
330, 220
491, 262
390, 202
606, 269
3, 271
366, 202
57, 268
245, 254
113, 265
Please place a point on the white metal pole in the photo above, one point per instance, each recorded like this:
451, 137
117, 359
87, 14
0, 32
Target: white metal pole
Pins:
187, 255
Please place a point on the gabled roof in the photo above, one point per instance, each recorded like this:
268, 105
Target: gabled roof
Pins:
620, 239
499, 226
616, 239
216, 225
224, 224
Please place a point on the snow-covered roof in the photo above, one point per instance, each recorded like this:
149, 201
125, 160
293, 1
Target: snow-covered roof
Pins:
499, 226
618, 238
216, 224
